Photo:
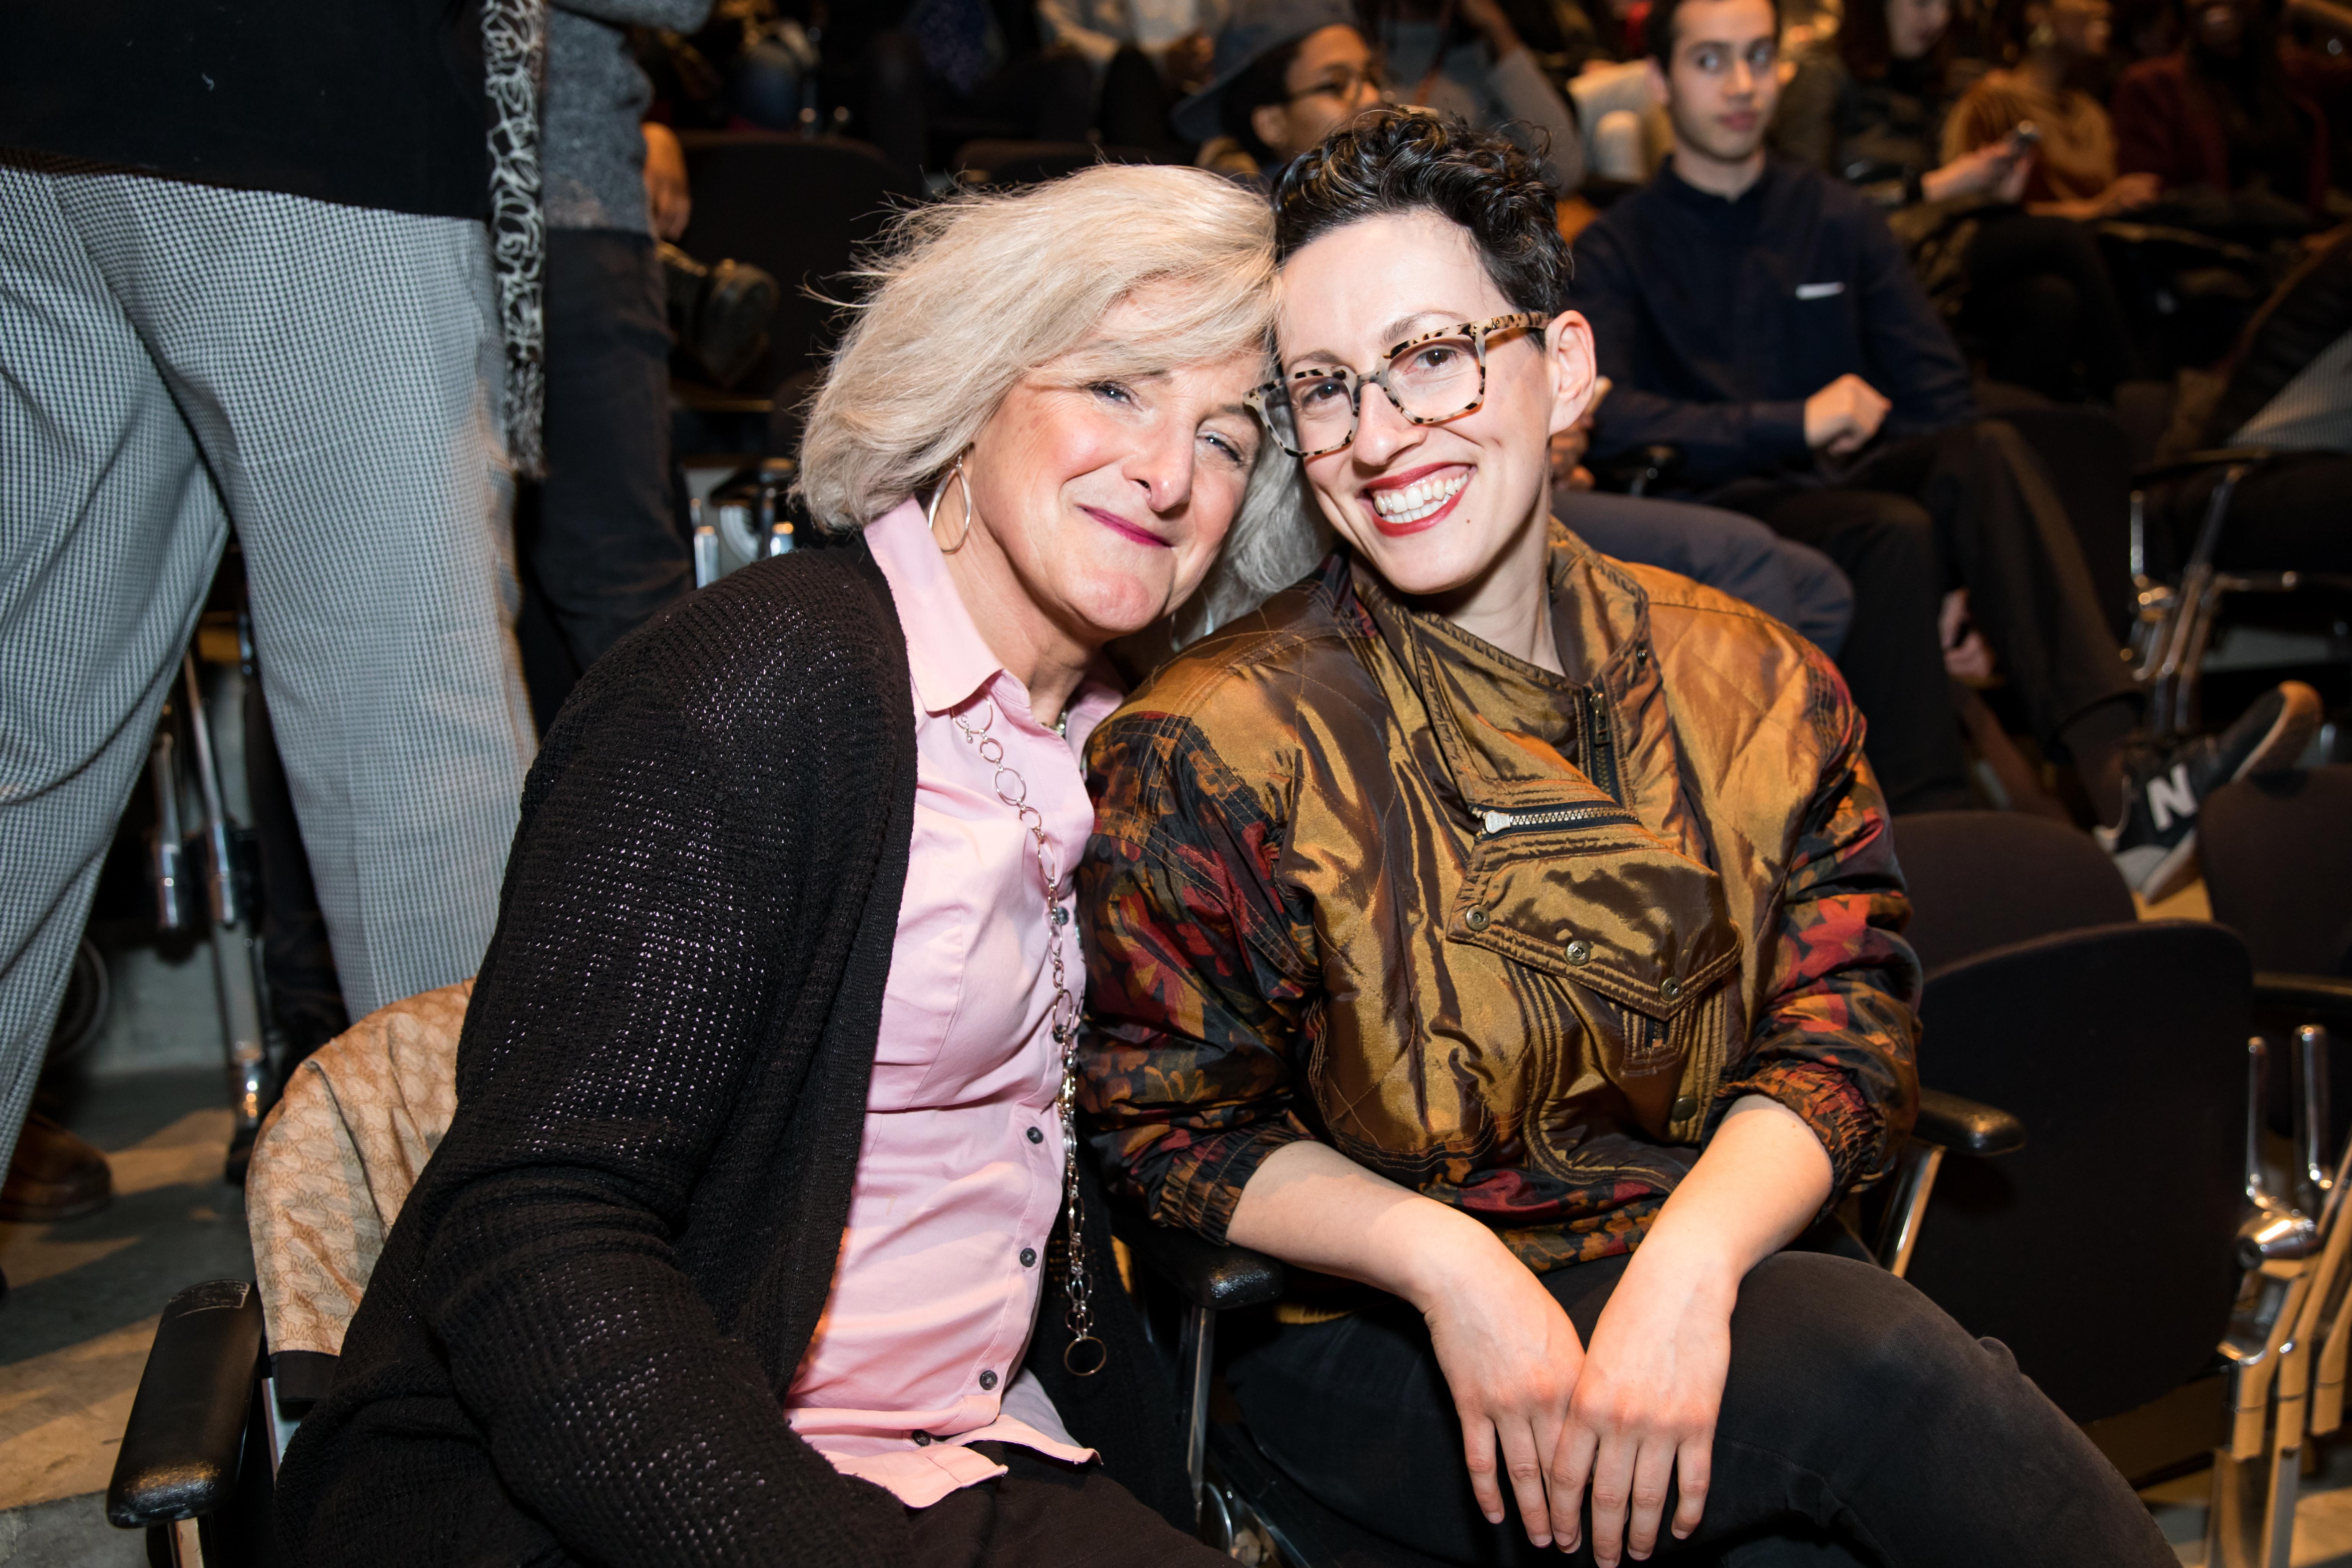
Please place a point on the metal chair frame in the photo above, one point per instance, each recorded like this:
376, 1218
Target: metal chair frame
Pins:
2173, 623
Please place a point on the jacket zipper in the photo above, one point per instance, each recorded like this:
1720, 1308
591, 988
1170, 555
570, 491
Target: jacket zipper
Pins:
1599, 748
1501, 822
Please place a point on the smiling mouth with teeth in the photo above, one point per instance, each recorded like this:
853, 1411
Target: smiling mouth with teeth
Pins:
1411, 503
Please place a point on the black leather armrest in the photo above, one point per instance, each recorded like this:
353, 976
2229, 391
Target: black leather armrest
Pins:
1221, 1278
179, 1454
1967, 1125
2328, 999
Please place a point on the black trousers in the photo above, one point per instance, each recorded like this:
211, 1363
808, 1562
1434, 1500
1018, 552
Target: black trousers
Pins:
1859, 1424
1967, 506
2041, 298
603, 545
1046, 1514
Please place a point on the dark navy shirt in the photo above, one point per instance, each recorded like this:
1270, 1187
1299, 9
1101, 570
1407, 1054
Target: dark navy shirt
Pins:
1717, 318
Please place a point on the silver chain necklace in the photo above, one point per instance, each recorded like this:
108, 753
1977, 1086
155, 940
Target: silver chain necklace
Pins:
1013, 791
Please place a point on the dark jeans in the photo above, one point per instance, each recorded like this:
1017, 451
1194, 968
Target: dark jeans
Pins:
1046, 1514
603, 547
2041, 297
1792, 582
1859, 1424
1971, 507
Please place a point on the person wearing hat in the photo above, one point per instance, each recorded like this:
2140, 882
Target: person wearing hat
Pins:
1286, 74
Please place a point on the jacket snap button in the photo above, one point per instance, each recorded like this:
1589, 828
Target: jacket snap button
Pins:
1671, 989
1028, 1258
1580, 952
1035, 1136
923, 1439
1686, 1108
1475, 917
988, 1380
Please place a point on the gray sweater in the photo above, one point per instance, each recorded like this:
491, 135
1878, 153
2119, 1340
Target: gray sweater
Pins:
593, 155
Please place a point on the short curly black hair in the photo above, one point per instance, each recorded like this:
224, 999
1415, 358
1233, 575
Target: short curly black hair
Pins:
1390, 161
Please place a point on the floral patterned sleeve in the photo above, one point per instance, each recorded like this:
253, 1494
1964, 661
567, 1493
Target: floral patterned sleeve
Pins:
1837, 1039
1198, 975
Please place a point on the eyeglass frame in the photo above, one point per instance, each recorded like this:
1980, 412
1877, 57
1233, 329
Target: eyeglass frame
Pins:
1375, 77
1477, 332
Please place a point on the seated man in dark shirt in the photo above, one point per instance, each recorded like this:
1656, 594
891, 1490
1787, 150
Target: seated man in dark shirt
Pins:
1759, 317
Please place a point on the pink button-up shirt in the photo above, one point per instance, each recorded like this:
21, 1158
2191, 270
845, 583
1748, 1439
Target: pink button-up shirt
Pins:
959, 1173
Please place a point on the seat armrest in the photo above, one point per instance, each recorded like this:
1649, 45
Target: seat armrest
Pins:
1967, 1125
180, 1450
2327, 997
1202, 1273
2197, 462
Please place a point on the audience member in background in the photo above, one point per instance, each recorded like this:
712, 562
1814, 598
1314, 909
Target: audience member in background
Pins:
1513, 933
603, 545
1871, 108
1760, 317
2235, 109
1793, 582
2072, 169
250, 288
974, 61
1464, 57
1148, 54
1287, 74
738, 1251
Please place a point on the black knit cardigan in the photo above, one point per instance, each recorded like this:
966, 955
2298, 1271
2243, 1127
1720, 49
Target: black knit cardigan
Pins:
578, 1338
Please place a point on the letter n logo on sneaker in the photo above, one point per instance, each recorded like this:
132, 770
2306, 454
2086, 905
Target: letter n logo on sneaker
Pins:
2170, 797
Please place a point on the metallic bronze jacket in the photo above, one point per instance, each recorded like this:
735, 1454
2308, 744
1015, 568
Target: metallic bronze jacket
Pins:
1511, 939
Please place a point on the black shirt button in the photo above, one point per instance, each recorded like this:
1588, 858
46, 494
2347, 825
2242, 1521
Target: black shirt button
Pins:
1036, 1136
1028, 1258
988, 1380
922, 1439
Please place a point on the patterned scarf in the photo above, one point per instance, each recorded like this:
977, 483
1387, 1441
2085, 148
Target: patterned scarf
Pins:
514, 58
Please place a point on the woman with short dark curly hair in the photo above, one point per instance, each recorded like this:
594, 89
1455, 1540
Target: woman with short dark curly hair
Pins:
1513, 933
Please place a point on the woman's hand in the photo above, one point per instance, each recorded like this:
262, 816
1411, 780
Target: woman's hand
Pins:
1644, 1408
2128, 193
1511, 1360
1992, 170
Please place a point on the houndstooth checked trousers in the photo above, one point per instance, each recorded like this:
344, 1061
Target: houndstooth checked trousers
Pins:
177, 360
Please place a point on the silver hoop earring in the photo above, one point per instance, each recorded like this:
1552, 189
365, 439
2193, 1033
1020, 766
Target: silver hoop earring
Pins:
932, 512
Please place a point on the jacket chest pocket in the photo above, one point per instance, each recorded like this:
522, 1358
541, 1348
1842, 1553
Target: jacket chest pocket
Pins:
1642, 932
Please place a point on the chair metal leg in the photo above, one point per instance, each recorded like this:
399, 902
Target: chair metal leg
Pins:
1194, 1354
1906, 1205
234, 954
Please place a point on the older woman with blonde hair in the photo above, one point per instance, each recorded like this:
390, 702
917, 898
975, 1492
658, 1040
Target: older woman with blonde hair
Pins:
756, 1237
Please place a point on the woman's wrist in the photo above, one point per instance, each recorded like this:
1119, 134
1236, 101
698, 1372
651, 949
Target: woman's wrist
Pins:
1447, 1251
1699, 1264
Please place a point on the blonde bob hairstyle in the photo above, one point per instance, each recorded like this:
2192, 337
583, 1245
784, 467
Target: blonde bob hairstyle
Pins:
968, 296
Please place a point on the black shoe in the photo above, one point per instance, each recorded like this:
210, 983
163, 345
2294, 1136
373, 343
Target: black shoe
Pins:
2156, 847
719, 314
